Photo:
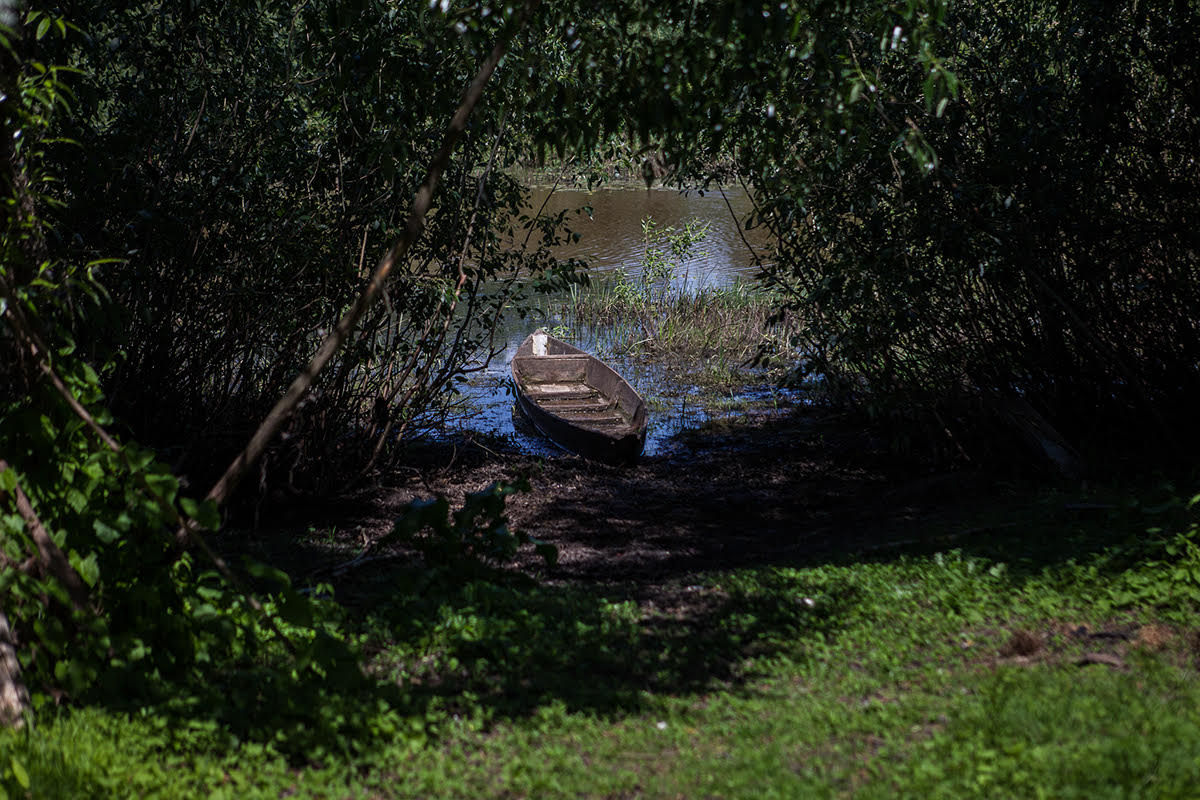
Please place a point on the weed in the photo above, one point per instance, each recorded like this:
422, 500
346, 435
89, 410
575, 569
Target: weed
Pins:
1022, 643
660, 312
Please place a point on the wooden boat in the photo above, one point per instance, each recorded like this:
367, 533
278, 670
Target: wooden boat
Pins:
577, 401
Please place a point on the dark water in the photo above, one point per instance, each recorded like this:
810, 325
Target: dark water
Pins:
612, 239
488, 403
611, 234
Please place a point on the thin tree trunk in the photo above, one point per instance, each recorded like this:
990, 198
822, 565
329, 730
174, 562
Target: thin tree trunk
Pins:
14, 697
237, 470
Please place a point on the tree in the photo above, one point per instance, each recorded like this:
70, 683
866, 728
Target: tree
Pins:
1041, 254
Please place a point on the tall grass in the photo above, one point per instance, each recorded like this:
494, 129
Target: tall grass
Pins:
735, 323
659, 313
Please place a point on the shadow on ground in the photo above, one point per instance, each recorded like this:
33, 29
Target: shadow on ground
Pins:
510, 650
641, 601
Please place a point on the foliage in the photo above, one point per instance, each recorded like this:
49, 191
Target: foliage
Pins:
253, 161
161, 630
921, 169
1041, 245
692, 79
158, 630
175, 641
712, 325
645, 301
106, 510
35, 96
885, 676
1172, 555
662, 311
665, 252
476, 534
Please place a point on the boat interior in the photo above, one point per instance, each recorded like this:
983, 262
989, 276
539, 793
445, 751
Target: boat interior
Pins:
578, 389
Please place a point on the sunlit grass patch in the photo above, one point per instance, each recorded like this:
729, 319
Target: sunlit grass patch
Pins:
1054, 657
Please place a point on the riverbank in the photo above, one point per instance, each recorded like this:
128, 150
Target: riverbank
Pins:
695, 354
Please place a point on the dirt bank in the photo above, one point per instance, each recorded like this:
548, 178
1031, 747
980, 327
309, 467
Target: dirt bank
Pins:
771, 488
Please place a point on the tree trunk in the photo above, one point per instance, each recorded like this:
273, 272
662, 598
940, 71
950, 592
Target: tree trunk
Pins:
14, 697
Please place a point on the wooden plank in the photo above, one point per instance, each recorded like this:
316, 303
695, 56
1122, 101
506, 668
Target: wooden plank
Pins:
614, 417
560, 406
611, 427
556, 357
561, 389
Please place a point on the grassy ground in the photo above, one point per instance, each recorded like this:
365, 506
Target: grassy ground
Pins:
1034, 648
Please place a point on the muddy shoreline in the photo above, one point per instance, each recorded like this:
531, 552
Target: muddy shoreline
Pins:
771, 488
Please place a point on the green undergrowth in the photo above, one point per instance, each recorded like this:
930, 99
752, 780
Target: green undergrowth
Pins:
1041, 651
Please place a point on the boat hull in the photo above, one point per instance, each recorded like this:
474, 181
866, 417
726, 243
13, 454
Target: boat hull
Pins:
578, 402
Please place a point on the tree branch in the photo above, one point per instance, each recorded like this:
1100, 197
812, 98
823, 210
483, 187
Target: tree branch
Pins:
415, 225
53, 559
14, 697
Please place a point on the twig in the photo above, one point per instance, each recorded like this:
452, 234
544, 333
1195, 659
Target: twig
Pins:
237, 470
737, 223
361, 560
471, 440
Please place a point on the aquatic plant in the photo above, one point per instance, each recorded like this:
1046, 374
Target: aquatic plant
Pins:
659, 311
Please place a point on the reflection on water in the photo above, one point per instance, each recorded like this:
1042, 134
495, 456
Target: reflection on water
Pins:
611, 236
490, 406
611, 239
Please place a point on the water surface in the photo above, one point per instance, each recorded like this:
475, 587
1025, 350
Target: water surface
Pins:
611, 239
611, 234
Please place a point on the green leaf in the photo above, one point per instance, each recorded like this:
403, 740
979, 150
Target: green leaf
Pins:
205, 512
8, 480
265, 572
204, 611
76, 500
295, 608
164, 485
19, 772
42, 28
88, 568
139, 459
105, 533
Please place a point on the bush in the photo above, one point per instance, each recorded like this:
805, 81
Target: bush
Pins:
1040, 245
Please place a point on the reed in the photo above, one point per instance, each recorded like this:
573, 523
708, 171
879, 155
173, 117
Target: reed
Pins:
733, 324
709, 333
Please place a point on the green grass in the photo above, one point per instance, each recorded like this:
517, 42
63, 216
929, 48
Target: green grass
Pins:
934, 672
726, 324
